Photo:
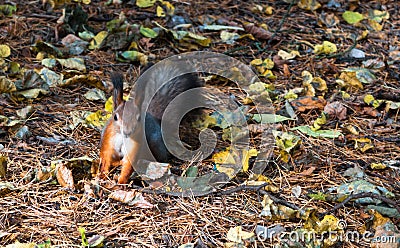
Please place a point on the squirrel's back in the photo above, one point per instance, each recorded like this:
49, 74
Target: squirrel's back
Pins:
163, 83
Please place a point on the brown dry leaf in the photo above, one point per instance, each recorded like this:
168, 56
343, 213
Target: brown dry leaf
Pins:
140, 202
69, 39
84, 80
64, 176
43, 174
132, 198
336, 110
307, 102
123, 196
257, 32
3, 165
307, 172
371, 111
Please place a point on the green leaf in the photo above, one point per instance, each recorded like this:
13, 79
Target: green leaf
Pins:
221, 27
82, 231
145, 3
319, 133
7, 10
49, 63
270, 118
133, 56
352, 17
192, 171
317, 196
148, 32
73, 63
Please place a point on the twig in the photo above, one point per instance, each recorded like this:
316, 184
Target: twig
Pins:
364, 195
280, 201
202, 193
281, 23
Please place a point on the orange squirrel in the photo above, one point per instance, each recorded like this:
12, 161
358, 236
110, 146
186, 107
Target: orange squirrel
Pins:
125, 142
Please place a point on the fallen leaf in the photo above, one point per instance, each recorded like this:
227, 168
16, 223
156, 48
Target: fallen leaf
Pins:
64, 176
319, 133
148, 32
336, 110
5, 51
286, 56
73, 63
270, 118
3, 166
145, 3
221, 27
309, 4
352, 17
97, 41
307, 103
228, 37
23, 133
257, 32
326, 48
6, 85
237, 235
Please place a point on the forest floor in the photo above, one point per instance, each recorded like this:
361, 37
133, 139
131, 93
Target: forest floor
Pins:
330, 68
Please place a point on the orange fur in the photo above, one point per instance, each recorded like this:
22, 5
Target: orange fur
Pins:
130, 157
108, 155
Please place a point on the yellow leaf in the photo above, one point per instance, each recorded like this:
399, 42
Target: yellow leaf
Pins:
345, 95
40, 56
97, 40
237, 235
349, 80
363, 144
375, 25
246, 156
224, 157
326, 48
145, 3
205, 122
307, 77
97, 119
170, 8
320, 84
230, 172
269, 10
256, 62
268, 63
309, 4
286, 56
378, 166
160, 12
268, 74
378, 15
368, 98
321, 120
352, 129
5, 51
257, 87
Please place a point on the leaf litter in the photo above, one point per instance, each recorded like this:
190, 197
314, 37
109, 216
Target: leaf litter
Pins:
336, 98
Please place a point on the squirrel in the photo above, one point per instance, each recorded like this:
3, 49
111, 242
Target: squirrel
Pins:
125, 140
